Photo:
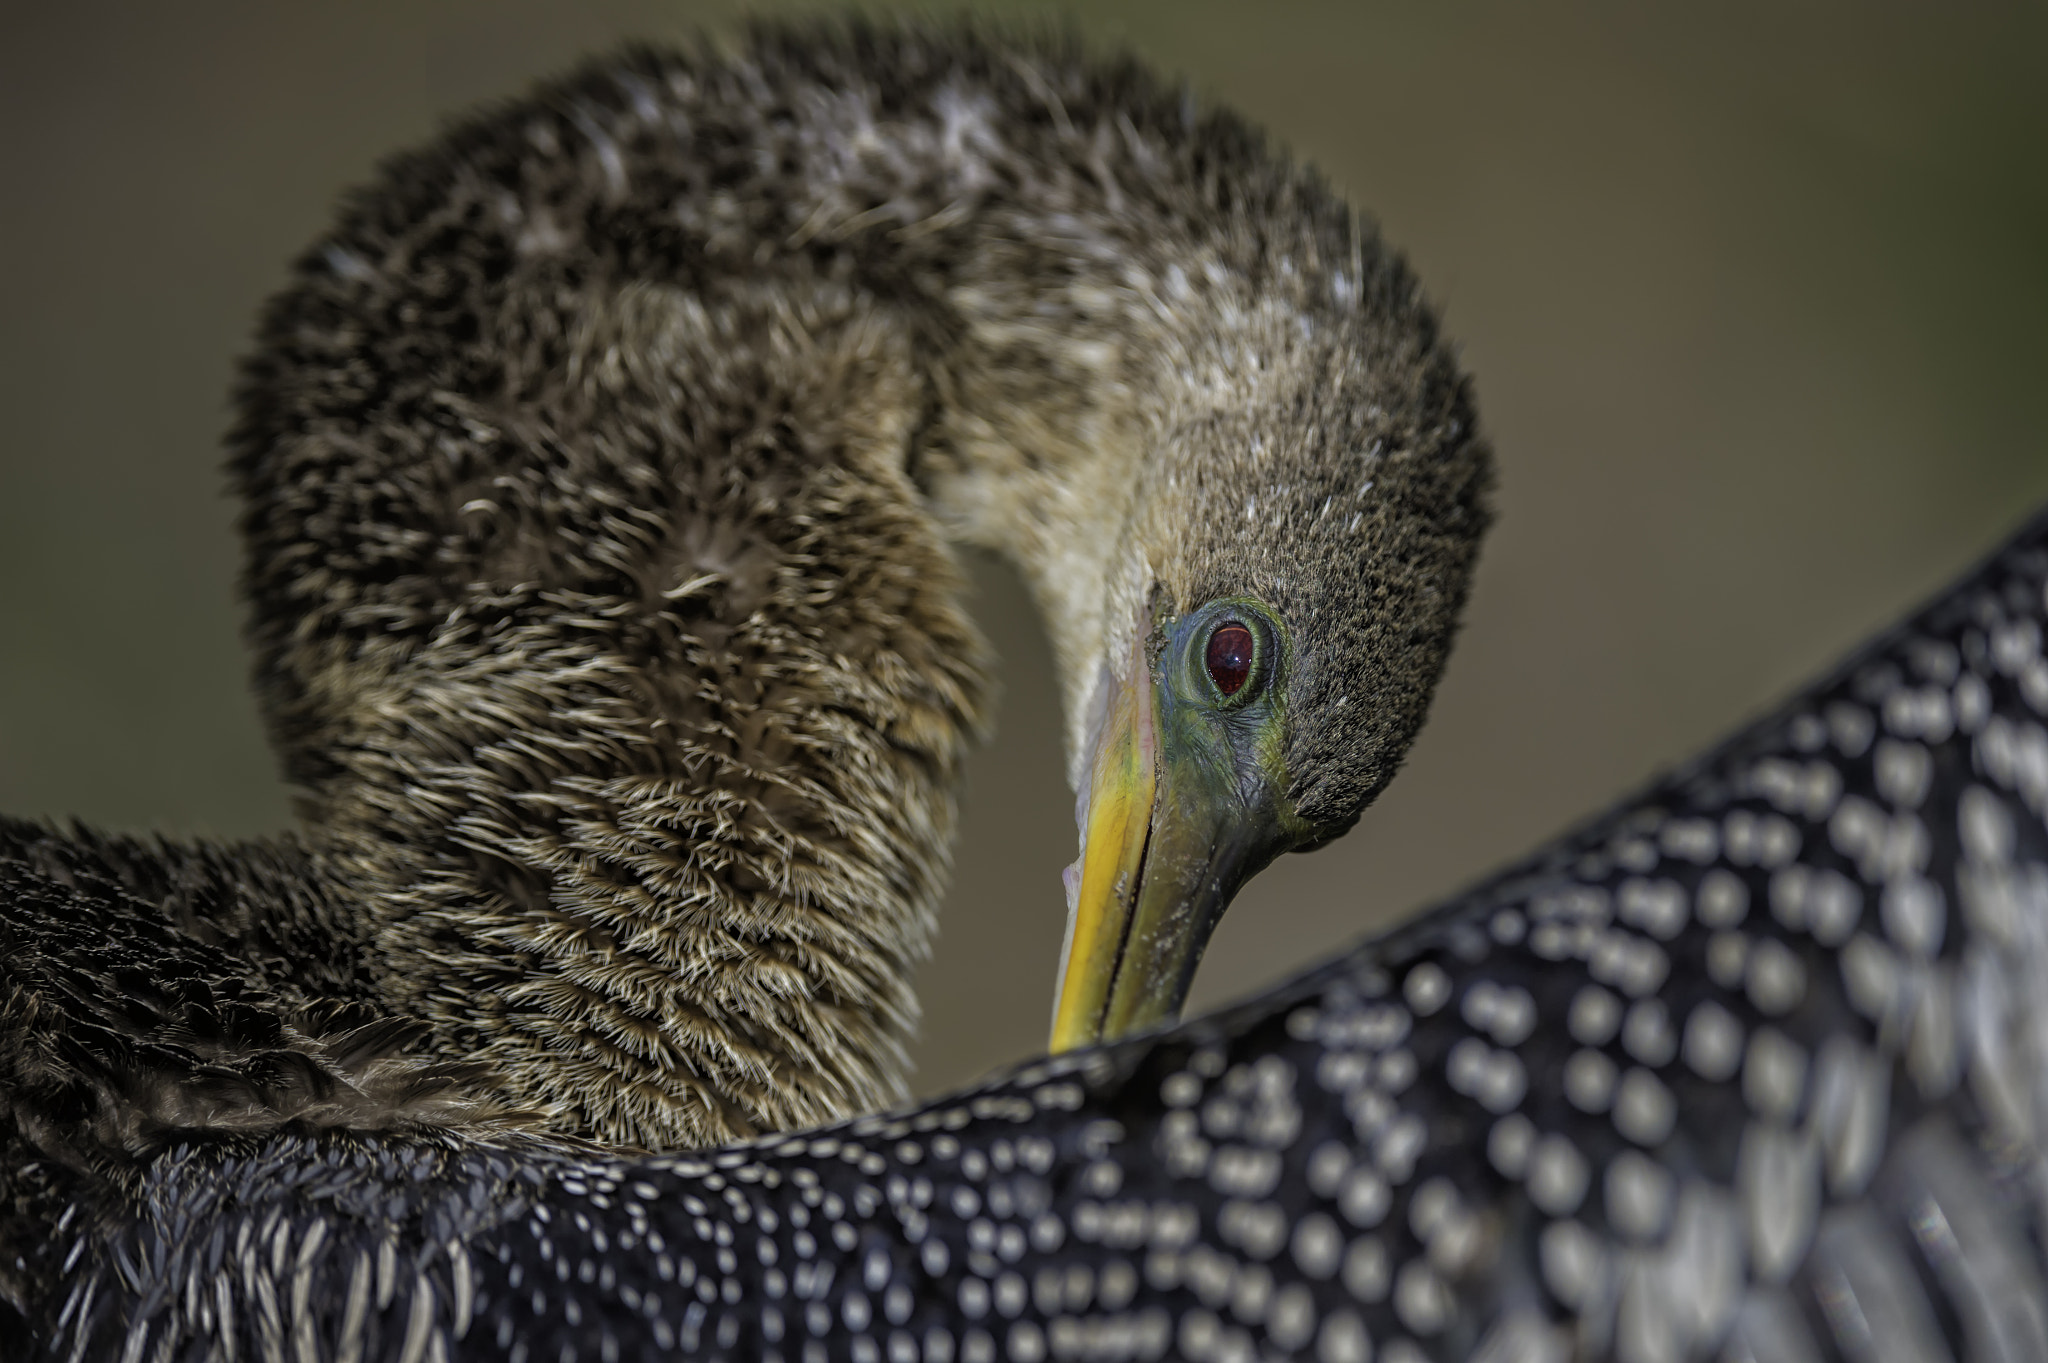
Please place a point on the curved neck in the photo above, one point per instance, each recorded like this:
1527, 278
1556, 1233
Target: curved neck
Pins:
600, 470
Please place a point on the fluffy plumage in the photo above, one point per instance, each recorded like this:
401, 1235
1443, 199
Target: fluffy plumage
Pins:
601, 468
1753, 1067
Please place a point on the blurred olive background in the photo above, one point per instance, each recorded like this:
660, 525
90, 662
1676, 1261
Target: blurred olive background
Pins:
1756, 296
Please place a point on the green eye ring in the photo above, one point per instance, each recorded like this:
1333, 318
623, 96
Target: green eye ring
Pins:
1229, 651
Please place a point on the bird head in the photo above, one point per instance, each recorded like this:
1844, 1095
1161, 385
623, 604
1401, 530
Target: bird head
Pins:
1281, 600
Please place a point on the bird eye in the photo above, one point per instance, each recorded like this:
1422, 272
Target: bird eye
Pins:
1229, 656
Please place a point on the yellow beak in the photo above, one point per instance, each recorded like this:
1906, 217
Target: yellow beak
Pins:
1170, 830
1119, 819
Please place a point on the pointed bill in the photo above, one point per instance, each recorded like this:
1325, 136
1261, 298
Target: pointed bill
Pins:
1167, 840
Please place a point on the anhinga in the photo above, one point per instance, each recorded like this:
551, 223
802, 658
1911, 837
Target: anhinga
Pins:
600, 470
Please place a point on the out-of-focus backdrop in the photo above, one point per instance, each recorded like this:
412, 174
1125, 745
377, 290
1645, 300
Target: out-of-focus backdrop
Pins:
1756, 295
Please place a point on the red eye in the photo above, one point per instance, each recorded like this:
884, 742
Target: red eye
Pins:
1229, 657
